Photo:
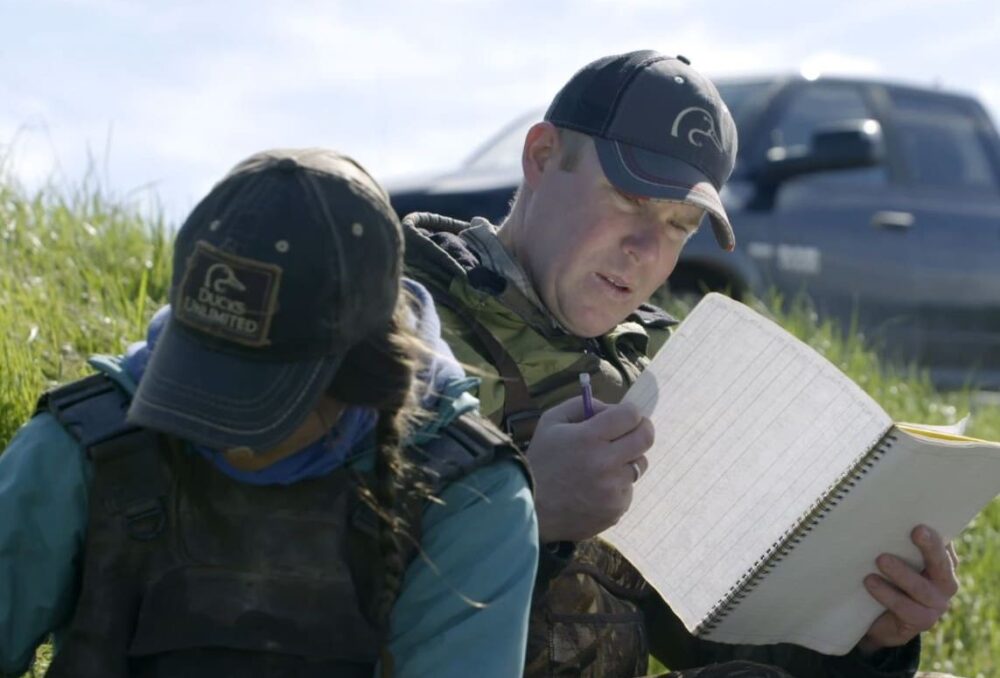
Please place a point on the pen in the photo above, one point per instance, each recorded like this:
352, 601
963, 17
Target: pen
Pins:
588, 402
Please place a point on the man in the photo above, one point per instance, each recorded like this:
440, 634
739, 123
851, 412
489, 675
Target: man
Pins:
631, 156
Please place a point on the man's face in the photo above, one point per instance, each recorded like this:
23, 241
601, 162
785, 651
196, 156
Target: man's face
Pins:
593, 253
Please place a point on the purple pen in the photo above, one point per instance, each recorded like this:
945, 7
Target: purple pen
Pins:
588, 396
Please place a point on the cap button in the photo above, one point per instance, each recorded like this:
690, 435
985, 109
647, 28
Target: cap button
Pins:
286, 165
681, 57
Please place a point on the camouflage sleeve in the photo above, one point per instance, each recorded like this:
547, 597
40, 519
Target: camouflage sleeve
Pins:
671, 644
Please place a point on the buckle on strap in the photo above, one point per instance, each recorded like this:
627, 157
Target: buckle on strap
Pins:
520, 426
144, 521
129, 466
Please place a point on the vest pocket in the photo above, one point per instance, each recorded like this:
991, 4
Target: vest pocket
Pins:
595, 646
587, 623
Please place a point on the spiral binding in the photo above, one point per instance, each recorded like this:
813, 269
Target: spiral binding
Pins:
787, 542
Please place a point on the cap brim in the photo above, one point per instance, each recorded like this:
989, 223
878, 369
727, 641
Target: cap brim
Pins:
652, 175
222, 401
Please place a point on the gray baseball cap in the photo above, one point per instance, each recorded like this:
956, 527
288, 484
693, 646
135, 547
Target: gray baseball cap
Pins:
290, 260
660, 127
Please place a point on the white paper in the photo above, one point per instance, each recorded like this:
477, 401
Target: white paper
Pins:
920, 481
752, 426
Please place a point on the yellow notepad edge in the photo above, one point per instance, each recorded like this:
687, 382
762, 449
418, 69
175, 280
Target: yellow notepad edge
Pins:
917, 429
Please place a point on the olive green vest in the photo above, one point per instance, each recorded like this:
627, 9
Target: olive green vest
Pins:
585, 617
530, 364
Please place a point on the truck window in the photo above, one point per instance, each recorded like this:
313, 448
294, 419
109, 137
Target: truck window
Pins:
503, 151
741, 96
822, 104
942, 142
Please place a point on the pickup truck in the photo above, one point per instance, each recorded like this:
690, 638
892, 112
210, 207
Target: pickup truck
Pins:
880, 201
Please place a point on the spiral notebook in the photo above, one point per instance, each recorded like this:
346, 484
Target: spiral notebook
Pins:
775, 482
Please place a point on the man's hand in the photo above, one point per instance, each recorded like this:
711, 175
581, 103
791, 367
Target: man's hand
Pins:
914, 601
582, 468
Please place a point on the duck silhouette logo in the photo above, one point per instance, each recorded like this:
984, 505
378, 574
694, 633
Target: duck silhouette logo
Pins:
228, 296
221, 279
701, 125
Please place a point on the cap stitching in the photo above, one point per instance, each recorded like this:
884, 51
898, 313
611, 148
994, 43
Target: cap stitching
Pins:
699, 165
259, 401
641, 66
141, 397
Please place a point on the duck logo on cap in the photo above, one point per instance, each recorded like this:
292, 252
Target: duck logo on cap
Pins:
704, 126
228, 296
221, 279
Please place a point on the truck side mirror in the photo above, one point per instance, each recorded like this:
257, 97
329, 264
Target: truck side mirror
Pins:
843, 145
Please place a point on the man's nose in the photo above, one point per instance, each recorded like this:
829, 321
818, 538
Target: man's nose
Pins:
642, 244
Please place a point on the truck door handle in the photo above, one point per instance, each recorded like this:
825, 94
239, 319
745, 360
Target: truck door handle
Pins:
896, 221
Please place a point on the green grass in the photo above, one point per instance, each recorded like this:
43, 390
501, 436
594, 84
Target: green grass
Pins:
82, 273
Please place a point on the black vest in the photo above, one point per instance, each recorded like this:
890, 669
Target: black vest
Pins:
187, 572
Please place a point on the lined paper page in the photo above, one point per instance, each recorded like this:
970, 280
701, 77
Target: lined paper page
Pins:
751, 427
923, 478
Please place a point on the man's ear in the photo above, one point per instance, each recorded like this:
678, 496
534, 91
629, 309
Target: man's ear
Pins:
541, 149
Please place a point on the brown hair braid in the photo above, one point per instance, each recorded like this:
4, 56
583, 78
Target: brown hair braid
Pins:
379, 373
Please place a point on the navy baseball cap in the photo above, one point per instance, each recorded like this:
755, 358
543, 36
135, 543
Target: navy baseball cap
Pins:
292, 259
661, 129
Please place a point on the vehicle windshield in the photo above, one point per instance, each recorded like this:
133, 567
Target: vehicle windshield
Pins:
503, 151
741, 96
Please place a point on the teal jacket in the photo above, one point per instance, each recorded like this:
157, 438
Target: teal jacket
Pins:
44, 478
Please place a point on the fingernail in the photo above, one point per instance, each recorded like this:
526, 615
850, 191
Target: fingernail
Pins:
924, 535
873, 582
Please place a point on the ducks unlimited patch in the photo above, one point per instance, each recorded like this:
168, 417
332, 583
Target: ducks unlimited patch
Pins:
228, 296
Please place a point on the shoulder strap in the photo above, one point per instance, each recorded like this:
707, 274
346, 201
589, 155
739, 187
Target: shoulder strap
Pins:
92, 410
468, 443
520, 411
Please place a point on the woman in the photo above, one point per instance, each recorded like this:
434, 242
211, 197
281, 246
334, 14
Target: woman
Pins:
285, 479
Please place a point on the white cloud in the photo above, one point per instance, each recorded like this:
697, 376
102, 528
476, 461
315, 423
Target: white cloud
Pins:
29, 159
28, 149
971, 41
836, 63
632, 5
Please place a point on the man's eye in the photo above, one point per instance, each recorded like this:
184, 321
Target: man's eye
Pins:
679, 229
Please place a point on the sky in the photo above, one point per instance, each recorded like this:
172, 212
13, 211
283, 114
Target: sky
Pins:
157, 100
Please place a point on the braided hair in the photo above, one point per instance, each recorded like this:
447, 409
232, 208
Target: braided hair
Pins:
380, 372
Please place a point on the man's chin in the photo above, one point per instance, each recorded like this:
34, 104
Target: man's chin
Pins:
589, 328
